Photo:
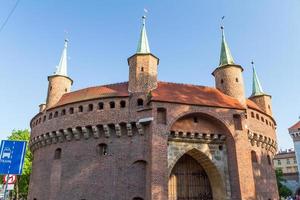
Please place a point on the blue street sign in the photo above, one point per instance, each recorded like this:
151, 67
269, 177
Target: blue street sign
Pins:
12, 155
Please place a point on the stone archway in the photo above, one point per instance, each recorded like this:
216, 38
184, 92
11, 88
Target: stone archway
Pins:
215, 178
188, 180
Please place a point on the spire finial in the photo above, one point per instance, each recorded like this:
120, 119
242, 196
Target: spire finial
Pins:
256, 86
143, 45
225, 56
61, 69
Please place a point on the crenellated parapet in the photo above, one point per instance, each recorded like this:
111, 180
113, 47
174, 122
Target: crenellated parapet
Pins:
259, 140
87, 132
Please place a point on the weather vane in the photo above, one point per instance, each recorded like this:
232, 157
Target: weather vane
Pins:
222, 20
144, 16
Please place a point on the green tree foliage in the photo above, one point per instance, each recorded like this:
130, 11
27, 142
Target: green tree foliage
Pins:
282, 189
22, 184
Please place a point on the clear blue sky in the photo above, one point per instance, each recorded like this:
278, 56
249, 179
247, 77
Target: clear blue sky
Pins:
185, 35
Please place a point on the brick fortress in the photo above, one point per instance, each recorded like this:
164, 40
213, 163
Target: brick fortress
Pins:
148, 139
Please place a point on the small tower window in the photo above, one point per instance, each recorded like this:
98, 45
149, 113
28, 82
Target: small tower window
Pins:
262, 119
102, 149
91, 107
56, 114
161, 115
112, 104
257, 116
66, 90
195, 120
57, 154
100, 106
142, 69
50, 88
80, 109
222, 81
253, 157
63, 112
50, 116
140, 102
252, 114
44, 118
236, 80
71, 110
122, 104
267, 122
237, 122
269, 160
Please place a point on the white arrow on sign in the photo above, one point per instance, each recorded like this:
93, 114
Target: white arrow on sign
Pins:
11, 179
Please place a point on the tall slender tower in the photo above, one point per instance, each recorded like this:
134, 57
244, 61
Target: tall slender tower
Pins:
59, 83
228, 75
263, 100
142, 65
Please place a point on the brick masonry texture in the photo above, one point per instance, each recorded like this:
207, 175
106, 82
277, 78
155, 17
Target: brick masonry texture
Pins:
112, 148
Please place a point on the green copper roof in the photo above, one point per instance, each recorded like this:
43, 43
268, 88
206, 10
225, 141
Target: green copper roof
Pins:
61, 69
143, 45
256, 86
225, 56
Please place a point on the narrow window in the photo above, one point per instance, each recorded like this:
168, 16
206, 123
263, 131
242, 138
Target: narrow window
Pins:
269, 160
63, 112
262, 119
91, 107
50, 116
80, 109
56, 114
71, 110
142, 69
50, 88
102, 149
252, 114
222, 81
140, 102
122, 104
66, 90
253, 157
44, 118
195, 120
112, 104
57, 154
257, 116
100, 105
221, 147
237, 122
236, 80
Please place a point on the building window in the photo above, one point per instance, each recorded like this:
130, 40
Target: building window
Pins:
140, 102
71, 110
66, 90
267, 122
252, 114
253, 157
142, 69
55, 114
262, 119
295, 161
257, 116
288, 161
91, 107
222, 81
195, 120
161, 116
236, 80
100, 106
44, 118
122, 104
57, 154
50, 116
80, 109
102, 149
112, 104
237, 122
63, 112
279, 162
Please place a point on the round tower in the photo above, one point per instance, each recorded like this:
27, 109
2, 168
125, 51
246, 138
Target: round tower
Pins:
294, 132
59, 83
263, 100
142, 66
229, 76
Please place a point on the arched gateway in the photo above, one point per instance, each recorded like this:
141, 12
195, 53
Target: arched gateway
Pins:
189, 181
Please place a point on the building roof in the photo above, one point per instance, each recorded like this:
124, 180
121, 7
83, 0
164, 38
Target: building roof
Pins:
61, 69
286, 154
225, 55
143, 45
295, 127
256, 86
165, 92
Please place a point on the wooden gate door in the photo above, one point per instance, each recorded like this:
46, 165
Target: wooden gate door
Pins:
189, 181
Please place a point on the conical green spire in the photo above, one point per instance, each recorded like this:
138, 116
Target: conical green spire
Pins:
61, 69
225, 56
256, 86
143, 45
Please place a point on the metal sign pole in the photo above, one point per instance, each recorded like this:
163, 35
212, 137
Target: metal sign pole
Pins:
6, 185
